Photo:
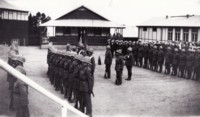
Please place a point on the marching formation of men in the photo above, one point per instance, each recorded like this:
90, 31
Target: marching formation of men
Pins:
72, 73
18, 89
180, 61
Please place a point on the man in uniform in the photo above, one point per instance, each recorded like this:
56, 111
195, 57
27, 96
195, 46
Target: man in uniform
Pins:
86, 86
182, 64
160, 59
129, 63
108, 62
140, 54
189, 63
145, 54
155, 58
197, 64
119, 65
168, 58
175, 62
90, 54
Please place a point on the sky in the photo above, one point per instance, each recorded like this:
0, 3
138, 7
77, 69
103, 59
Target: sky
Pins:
129, 12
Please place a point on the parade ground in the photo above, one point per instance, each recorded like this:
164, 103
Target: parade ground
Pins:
147, 94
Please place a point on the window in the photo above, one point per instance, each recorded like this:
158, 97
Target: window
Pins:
177, 34
97, 31
14, 15
74, 32
170, 32
18, 16
194, 34
66, 31
144, 28
5, 15
59, 31
185, 34
90, 32
154, 29
105, 32
26, 16
10, 15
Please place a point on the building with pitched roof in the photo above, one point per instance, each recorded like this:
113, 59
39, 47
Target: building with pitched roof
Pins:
81, 25
13, 24
175, 28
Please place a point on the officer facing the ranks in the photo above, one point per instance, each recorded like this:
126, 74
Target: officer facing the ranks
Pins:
129, 63
108, 62
119, 65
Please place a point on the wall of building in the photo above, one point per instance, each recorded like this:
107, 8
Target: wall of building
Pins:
13, 26
162, 33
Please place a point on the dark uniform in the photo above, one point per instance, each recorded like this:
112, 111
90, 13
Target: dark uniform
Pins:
155, 59
189, 63
108, 62
175, 62
160, 59
197, 65
119, 65
129, 63
168, 58
86, 87
182, 64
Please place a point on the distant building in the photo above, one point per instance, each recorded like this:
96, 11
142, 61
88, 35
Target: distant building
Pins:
81, 25
175, 28
13, 24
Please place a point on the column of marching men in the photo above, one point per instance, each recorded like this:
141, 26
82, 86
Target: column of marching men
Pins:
72, 73
18, 89
163, 57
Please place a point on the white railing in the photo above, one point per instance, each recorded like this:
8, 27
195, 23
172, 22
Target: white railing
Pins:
65, 105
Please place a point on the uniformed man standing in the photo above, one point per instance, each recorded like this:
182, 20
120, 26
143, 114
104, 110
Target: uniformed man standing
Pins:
86, 86
90, 54
160, 59
182, 64
175, 62
197, 64
119, 65
155, 58
168, 58
129, 63
108, 62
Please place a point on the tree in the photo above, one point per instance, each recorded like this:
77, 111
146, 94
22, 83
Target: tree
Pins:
35, 21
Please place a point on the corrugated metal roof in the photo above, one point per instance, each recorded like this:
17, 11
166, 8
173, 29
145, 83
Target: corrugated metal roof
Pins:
81, 23
192, 21
6, 5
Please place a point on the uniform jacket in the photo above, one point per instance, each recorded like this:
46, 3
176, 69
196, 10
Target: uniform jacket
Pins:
119, 65
86, 79
108, 57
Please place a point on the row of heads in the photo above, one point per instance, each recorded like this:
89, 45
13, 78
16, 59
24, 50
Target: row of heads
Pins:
80, 46
71, 54
152, 42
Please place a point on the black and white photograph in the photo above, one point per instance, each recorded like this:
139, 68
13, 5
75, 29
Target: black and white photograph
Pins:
99, 58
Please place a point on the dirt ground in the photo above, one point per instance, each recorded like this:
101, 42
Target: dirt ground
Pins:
147, 94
